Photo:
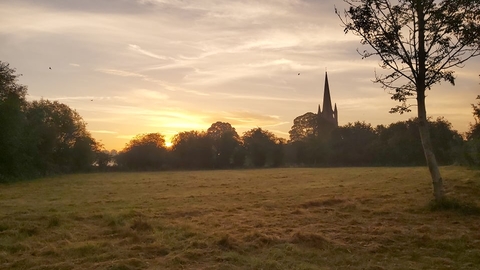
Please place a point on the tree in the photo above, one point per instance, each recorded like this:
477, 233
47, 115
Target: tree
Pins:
472, 151
419, 41
144, 152
261, 147
12, 124
352, 144
474, 132
193, 150
304, 126
225, 142
60, 140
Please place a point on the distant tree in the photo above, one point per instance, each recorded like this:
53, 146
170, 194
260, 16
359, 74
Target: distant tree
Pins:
13, 162
225, 142
304, 127
419, 41
472, 150
61, 142
352, 144
474, 132
399, 143
103, 159
260, 146
306, 148
193, 150
144, 152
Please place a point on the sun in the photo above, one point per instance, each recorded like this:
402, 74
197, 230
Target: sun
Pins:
168, 144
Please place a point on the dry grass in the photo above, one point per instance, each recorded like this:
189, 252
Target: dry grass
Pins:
355, 218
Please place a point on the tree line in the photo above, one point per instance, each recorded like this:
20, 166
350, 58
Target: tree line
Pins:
42, 137
354, 144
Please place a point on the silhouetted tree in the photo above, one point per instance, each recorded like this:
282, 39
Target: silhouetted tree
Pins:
419, 41
352, 144
144, 152
193, 150
472, 147
260, 146
104, 158
304, 127
60, 139
13, 161
225, 142
399, 143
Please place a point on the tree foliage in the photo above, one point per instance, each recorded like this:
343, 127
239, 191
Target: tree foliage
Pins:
192, 150
419, 42
304, 127
143, 153
225, 144
39, 137
263, 148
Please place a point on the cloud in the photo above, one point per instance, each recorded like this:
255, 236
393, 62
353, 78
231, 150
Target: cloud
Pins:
149, 94
103, 131
137, 48
74, 65
93, 6
161, 83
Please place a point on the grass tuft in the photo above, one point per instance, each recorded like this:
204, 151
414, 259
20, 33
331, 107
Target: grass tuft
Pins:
53, 221
141, 225
227, 242
455, 205
29, 231
311, 239
322, 203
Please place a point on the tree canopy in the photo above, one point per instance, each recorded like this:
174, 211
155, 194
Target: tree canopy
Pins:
419, 42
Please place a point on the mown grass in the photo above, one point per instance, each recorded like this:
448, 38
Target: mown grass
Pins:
342, 218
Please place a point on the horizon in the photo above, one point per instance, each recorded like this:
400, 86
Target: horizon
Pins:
170, 66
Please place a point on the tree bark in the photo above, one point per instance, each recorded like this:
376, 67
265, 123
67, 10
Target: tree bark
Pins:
432, 164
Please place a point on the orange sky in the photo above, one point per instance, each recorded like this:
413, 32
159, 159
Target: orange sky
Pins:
131, 67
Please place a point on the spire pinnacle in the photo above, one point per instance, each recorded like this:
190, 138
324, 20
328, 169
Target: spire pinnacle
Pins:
327, 101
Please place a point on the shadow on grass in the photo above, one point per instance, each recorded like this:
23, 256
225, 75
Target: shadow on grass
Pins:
455, 205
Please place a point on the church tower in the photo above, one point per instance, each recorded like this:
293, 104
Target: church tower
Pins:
328, 118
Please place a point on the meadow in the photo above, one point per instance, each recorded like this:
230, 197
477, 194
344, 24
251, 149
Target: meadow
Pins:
292, 218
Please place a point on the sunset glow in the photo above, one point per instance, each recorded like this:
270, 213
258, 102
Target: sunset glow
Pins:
133, 67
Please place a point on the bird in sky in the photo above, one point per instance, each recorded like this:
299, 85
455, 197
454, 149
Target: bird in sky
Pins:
49, 67
298, 73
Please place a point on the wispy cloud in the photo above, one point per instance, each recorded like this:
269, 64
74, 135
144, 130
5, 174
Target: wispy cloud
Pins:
103, 131
137, 48
165, 85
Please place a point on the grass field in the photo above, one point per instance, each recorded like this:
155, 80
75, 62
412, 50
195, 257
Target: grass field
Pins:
341, 218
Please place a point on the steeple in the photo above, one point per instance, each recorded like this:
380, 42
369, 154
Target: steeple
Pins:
327, 101
335, 114
328, 116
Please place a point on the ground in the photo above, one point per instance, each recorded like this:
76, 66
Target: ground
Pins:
293, 218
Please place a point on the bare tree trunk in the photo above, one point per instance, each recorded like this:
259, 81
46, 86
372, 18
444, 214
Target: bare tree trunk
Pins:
432, 164
422, 112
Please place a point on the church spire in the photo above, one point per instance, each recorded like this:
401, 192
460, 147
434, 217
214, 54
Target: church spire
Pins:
327, 101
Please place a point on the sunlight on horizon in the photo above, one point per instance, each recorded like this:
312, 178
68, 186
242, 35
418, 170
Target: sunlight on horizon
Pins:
136, 67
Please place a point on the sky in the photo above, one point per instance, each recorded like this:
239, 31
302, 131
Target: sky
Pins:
130, 67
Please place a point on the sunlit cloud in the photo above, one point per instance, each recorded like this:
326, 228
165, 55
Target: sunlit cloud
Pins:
103, 131
168, 66
137, 48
